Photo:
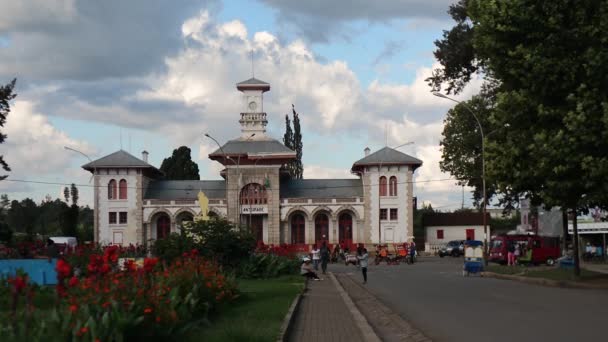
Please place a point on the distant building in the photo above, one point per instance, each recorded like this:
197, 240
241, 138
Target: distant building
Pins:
133, 204
440, 228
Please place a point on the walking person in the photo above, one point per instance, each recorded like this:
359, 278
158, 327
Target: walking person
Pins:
516, 254
306, 270
511, 254
324, 257
316, 255
412, 252
363, 258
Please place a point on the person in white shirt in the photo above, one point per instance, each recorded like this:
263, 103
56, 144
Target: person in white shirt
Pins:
363, 258
306, 270
316, 256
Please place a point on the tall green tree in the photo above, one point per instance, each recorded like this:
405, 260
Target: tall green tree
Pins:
180, 165
461, 145
297, 145
288, 142
74, 194
6, 95
549, 63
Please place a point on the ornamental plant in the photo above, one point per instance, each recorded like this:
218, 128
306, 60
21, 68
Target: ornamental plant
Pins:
114, 303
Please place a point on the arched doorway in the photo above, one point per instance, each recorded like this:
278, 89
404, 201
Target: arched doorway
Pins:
298, 229
254, 201
321, 228
163, 226
345, 229
182, 218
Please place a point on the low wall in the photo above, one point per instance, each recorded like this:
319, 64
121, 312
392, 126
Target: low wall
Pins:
40, 271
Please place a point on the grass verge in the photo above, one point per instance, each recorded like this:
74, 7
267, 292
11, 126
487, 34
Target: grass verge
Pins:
256, 315
553, 273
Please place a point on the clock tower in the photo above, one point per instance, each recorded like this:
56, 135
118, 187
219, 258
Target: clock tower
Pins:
253, 118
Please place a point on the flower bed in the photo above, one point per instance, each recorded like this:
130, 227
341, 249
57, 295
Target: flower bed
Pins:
110, 304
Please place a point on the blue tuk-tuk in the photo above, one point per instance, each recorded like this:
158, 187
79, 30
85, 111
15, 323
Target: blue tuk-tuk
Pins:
473, 257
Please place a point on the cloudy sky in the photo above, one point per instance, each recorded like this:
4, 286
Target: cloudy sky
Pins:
156, 74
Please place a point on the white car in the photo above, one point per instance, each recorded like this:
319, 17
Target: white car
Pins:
68, 241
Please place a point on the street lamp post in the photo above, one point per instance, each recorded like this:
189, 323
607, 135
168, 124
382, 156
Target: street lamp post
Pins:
483, 171
379, 185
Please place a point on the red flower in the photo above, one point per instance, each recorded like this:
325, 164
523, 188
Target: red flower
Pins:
105, 268
194, 252
84, 330
73, 282
73, 308
157, 319
63, 269
149, 264
147, 310
19, 283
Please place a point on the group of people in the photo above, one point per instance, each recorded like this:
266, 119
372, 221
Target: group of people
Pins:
593, 252
322, 255
514, 252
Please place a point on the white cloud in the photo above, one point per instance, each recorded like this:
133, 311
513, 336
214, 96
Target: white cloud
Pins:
34, 150
321, 172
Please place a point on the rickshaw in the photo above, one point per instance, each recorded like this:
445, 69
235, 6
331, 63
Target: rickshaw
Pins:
473, 257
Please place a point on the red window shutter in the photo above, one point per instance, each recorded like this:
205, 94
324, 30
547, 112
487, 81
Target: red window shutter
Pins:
122, 189
440, 234
470, 234
382, 186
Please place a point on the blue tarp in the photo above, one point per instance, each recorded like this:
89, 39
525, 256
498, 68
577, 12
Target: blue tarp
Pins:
473, 243
40, 271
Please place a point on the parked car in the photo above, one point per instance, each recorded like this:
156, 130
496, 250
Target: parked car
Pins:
545, 250
65, 243
454, 248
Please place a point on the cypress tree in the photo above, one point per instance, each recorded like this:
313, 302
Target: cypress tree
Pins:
297, 145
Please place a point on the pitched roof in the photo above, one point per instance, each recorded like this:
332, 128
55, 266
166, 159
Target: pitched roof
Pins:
388, 155
253, 84
321, 188
118, 159
185, 189
251, 81
240, 147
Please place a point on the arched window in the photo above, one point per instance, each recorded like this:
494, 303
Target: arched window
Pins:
163, 227
392, 186
345, 231
122, 189
112, 193
382, 182
321, 228
253, 193
297, 229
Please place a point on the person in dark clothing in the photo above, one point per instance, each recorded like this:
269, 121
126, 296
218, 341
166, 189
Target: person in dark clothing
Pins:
52, 251
324, 257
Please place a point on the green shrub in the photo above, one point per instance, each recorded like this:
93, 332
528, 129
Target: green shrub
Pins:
215, 239
268, 266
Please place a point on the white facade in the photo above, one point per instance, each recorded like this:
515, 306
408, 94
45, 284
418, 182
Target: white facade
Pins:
451, 233
330, 210
391, 230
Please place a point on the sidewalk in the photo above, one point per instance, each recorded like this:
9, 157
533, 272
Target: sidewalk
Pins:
324, 316
600, 268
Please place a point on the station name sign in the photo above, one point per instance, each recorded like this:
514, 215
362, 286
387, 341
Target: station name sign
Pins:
254, 209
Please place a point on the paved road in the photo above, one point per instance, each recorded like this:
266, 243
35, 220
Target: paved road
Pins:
446, 306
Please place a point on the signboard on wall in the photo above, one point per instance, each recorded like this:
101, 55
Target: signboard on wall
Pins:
254, 209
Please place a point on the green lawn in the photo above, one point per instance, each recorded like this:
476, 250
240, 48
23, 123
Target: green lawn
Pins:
552, 273
256, 315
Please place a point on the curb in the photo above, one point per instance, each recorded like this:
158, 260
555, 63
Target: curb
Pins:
362, 323
288, 320
546, 282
